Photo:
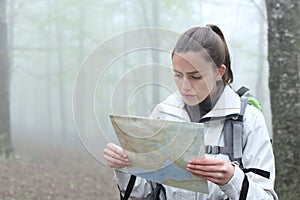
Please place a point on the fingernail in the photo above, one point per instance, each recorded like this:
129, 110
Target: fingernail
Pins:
189, 165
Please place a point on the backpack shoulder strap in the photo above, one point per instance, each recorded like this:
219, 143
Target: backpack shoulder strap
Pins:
233, 129
242, 91
237, 132
158, 192
128, 188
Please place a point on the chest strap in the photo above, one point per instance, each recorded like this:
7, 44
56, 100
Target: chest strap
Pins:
257, 171
217, 149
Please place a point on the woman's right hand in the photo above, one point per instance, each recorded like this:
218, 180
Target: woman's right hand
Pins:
115, 156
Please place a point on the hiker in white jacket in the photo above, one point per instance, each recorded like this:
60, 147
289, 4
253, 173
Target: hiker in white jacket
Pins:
202, 73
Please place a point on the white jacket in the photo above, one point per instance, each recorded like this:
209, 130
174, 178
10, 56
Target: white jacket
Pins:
257, 151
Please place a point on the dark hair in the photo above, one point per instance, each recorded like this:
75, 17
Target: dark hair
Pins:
210, 39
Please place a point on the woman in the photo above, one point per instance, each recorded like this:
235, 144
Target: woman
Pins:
202, 73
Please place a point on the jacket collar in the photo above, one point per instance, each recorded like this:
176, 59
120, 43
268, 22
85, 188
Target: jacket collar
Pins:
228, 103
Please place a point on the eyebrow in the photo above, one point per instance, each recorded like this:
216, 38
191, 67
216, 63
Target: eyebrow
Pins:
193, 72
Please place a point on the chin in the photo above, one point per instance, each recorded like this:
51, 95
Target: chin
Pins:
191, 103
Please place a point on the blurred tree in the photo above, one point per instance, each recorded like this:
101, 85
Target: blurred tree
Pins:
59, 29
155, 54
261, 44
5, 140
284, 82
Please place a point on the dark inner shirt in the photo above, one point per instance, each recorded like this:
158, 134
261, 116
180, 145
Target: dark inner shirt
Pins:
196, 112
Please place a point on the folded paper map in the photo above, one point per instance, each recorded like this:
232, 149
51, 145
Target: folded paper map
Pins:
159, 150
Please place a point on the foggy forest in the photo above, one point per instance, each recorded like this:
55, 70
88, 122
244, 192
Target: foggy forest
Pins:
67, 65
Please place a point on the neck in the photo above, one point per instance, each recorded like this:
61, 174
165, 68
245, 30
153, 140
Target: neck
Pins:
214, 96
198, 111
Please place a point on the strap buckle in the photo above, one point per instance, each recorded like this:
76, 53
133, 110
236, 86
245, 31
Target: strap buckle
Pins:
212, 149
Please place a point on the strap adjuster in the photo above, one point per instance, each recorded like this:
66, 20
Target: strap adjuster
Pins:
212, 149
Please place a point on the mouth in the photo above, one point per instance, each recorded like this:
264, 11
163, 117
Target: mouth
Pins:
188, 96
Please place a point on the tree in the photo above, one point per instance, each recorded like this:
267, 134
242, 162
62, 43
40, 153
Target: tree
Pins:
5, 140
284, 82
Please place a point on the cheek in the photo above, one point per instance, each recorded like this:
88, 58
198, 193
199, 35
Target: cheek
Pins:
210, 82
201, 87
177, 82
204, 87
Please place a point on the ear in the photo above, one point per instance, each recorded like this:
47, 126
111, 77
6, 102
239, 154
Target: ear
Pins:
221, 70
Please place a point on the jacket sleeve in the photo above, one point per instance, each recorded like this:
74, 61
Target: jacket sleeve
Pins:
141, 189
257, 153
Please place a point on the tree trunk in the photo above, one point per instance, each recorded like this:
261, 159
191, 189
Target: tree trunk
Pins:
48, 66
284, 82
84, 79
60, 59
155, 53
5, 140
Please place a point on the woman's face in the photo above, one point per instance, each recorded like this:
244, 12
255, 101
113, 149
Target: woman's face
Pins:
195, 77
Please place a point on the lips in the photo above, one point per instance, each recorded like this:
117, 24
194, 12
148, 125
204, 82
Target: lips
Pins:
188, 96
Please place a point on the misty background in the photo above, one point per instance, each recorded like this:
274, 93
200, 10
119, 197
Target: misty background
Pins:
51, 41
67, 65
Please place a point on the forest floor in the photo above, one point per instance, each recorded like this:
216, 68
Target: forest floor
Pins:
48, 172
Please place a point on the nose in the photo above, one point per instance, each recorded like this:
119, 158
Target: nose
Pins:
185, 85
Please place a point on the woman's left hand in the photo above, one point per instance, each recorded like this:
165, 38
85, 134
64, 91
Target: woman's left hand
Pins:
215, 170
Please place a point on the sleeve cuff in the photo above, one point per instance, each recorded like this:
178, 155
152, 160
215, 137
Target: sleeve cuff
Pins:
122, 179
233, 188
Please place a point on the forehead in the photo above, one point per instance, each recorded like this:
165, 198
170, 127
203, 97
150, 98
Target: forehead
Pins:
191, 61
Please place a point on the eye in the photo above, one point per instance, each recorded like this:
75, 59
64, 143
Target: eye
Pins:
196, 77
178, 75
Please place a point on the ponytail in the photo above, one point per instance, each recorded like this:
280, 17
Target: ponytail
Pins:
228, 76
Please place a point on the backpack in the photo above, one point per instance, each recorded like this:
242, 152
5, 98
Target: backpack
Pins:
233, 147
233, 129
233, 144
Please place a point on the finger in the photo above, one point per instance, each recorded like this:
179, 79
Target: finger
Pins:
206, 174
118, 150
206, 161
216, 178
217, 181
207, 168
115, 163
108, 153
220, 177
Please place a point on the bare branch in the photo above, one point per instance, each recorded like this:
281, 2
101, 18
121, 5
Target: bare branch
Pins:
260, 10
